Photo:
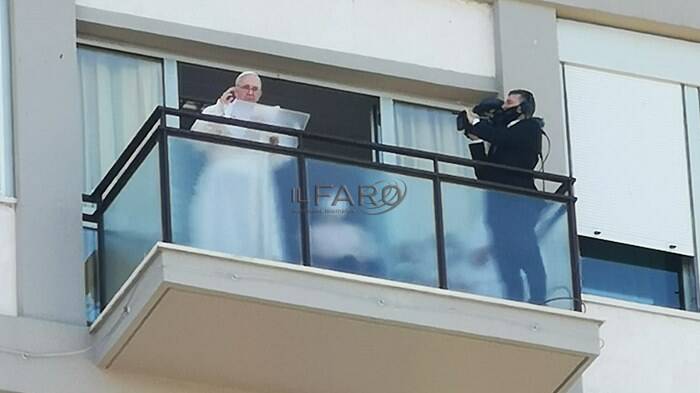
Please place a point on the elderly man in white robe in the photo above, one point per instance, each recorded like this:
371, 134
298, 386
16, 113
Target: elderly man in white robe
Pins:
235, 208
247, 88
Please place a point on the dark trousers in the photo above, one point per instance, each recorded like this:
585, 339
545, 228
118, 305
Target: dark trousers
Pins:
515, 247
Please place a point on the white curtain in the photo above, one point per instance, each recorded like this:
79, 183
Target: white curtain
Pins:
410, 228
429, 129
118, 93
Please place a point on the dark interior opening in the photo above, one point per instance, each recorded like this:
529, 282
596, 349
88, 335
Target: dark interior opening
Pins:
632, 273
333, 112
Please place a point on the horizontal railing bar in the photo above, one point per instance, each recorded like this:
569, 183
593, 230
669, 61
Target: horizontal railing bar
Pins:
414, 153
487, 185
96, 195
90, 198
232, 122
231, 141
218, 139
425, 174
135, 142
90, 218
126, 175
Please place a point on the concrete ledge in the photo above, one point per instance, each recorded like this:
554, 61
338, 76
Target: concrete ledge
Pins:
275, 56
215, 318
642, 308
37, 336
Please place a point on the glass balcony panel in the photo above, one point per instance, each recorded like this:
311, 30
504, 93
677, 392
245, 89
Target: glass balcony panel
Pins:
370, 222
456, 170
92, 303
506, 245
406, 161
234, 200
131, 226
362, 220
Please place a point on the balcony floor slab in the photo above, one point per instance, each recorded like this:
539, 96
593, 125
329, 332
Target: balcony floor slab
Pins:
272, 327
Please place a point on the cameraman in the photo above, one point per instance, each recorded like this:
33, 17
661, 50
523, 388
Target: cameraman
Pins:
515, 140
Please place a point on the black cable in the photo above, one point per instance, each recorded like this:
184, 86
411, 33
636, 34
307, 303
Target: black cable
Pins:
546, 156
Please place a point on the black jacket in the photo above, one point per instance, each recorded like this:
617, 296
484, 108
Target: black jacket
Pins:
518, 146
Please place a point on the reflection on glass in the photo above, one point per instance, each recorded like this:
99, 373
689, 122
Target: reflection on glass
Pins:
631, 273
131, 225
507, 246
234, 200
372, 223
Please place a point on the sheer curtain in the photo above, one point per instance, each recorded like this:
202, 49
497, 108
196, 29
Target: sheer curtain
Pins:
412, 224
429, 129
118, 93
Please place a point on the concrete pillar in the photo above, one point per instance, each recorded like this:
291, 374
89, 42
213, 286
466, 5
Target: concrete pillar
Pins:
48, 160
527, 56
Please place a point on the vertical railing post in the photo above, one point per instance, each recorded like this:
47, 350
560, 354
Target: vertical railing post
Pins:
574, 251
439, 226
99, 277
303, 205
166, 217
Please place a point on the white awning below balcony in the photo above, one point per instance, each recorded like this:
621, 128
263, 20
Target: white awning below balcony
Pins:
262, 326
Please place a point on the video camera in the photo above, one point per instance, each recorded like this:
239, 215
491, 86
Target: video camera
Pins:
487, 109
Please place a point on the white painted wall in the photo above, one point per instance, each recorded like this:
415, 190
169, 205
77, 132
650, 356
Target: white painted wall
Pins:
454, 35
8, 267
629, 52
62, 369
646, 349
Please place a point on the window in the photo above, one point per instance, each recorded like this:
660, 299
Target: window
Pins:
631, 165
333, 112
118, 93
424, 128
632, 273
633, 187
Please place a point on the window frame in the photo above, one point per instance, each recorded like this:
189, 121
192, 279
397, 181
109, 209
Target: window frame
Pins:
7, 186
265, 72
114, 50
690, 280
682, 264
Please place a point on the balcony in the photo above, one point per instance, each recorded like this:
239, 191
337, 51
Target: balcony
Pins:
277, 268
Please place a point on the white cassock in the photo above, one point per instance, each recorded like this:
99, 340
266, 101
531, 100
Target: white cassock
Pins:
235, 204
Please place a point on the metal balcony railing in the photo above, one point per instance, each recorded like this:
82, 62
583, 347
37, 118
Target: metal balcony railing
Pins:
235, 192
